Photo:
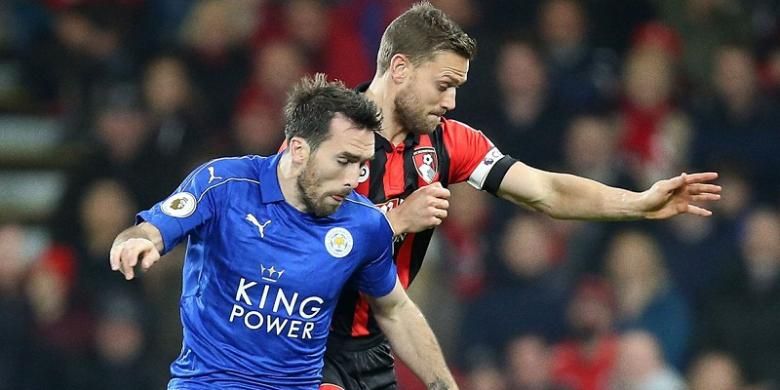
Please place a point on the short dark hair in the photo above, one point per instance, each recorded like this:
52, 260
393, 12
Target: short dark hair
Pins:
420, 33
314, 101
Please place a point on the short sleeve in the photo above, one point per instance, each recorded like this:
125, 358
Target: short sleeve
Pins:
189, 207
378, 274
472, 154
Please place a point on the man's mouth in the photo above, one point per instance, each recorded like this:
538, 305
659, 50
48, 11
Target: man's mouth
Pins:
339, 197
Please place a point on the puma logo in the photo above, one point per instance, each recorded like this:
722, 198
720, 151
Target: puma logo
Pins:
213, 177
260, 227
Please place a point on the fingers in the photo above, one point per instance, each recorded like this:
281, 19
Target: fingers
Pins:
694, 182
440, 203
700, 188
125, 256
128, 260
113, 257
696, 210
705, 197
148, 259
438, 191
437, 218
700, 177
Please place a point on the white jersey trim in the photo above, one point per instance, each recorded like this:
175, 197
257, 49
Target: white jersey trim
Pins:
226, 181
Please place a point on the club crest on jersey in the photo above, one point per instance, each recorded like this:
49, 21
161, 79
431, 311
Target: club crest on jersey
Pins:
427, 163
338, 242
180, 205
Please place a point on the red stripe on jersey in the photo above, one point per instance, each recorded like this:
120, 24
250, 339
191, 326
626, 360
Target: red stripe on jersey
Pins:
393, 179
403, 260
360, 320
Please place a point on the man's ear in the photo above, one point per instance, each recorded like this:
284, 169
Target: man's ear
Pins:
299, 150
400, 68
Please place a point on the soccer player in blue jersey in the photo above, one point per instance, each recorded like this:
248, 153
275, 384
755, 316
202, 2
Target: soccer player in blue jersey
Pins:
271, 241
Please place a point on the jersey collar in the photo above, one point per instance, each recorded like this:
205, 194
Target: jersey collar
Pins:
269, 180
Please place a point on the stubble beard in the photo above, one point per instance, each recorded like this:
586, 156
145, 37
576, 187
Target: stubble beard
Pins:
311, 198
411, 115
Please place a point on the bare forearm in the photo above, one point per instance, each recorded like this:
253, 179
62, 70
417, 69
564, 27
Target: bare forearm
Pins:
567, 196
581, 198
414, 342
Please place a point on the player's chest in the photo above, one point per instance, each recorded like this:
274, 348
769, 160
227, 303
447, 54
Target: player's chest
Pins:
398, 172
272, 245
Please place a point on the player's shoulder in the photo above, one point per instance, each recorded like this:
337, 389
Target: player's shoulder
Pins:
448, 125
220, 171
363, 210
235, 167
460, 135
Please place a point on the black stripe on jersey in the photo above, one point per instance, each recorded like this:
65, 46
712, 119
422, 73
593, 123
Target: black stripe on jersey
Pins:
437, 140
419, 247
410, 172
345, 311
376, 185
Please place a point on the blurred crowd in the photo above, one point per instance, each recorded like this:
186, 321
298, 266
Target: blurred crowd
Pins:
625, 92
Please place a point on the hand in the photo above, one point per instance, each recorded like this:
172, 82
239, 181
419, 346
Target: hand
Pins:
670, 197
126, 255
423, 209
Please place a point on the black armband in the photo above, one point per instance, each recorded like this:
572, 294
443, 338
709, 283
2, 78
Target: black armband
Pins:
497, 173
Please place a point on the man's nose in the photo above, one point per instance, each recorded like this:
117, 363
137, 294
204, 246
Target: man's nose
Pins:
352, 175
448, 100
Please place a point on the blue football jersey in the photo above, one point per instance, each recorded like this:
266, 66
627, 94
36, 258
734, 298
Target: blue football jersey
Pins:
261, 278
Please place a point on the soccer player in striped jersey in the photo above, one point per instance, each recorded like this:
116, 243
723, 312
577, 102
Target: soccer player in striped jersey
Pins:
423, 58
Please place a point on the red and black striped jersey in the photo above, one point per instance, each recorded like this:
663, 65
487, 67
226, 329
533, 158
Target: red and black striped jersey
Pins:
453, 153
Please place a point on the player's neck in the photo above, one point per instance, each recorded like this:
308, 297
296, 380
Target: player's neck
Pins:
288, 182
384, 97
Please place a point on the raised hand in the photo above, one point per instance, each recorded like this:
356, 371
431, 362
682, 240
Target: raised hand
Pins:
423, 209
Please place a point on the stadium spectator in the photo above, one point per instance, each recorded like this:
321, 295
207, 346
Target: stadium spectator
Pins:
715, 371
584, 360
646, 297
641, 365
745, 305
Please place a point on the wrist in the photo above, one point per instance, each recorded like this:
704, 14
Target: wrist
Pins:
396, 223
634, 205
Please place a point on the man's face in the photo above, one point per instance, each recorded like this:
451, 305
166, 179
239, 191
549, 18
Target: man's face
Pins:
429, 92
332, 170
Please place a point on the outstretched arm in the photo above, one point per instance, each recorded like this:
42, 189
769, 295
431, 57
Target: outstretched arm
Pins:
138, 244
573, 197
411, 338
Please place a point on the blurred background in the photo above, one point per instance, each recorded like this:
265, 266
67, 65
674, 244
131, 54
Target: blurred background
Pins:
105, 105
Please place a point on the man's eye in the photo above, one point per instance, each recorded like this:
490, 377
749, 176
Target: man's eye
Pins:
443, 87
343, 161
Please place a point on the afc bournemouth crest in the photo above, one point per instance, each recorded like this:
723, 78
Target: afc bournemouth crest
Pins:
427, 163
